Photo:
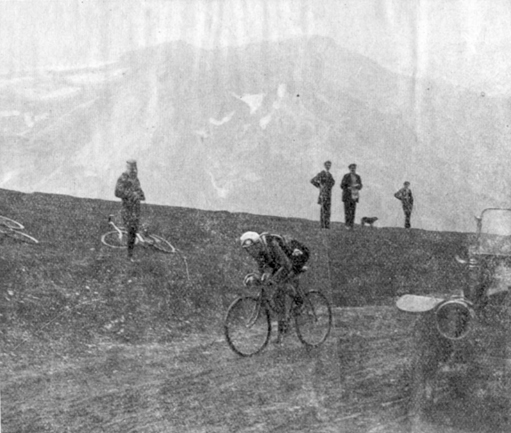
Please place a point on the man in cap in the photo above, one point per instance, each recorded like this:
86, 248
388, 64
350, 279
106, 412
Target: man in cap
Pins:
128, 189
406, 197
280, 261
351, 185
325, 182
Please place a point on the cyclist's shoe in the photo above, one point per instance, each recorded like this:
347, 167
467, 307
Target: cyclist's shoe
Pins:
283, 328
279, 339
298, 306
298, 309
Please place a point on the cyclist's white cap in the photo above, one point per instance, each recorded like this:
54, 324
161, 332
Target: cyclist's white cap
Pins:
131, 162
249, 238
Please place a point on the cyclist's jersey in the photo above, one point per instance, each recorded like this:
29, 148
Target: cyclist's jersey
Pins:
127, 185
124, 188
278, 253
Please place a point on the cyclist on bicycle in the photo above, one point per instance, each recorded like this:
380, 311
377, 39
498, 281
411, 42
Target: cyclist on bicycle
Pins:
280, 262
128, 189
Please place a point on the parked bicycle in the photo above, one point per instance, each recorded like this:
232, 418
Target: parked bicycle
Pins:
247, 324
13, 229
118, 239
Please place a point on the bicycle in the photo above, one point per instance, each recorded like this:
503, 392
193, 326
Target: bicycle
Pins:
118, 238
13, 229
247, 323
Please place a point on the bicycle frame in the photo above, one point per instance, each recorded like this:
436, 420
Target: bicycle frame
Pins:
265, 301
16, 231
139, 237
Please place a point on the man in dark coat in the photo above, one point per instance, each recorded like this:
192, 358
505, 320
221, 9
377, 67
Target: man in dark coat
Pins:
325, 182
128, 189
351, 185
406, 197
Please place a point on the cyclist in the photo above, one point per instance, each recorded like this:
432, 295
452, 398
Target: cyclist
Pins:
128, 189
280, 261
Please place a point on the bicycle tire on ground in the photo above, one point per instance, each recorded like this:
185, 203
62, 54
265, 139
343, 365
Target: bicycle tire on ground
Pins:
314, 322
115, 240
7, 222
247, 326
23, 237
161, 244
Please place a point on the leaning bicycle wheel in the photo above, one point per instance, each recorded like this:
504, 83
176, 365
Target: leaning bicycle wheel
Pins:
7, 222
247, 326
314, 321
23, 237
161, 244
114, 239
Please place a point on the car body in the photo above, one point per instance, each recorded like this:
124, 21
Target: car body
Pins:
462, 350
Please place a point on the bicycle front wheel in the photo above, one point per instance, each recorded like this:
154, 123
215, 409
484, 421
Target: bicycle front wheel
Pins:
247, 326
161, 244
314, 321
23, 237
7, 222
115, 239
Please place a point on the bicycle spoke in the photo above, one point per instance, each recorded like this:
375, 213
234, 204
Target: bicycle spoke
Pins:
314, 321
7, 222
247, 326
23, 237
115, 239
254, 315
160, 244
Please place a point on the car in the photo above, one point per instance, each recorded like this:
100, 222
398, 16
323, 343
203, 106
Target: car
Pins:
462, 344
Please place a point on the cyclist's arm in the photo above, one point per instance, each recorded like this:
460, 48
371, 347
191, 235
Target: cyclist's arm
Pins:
316, 180
286, 267
120, 188
141, 194
399, 194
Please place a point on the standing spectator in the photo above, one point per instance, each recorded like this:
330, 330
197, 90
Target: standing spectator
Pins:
129, 191
406, 197
325, 182
351, 185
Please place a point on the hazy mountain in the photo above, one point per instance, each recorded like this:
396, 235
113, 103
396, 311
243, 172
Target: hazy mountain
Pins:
244, 129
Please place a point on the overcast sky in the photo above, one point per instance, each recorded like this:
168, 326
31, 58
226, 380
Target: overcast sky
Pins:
467, 42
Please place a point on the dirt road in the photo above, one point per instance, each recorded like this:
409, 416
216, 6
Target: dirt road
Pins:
356, 382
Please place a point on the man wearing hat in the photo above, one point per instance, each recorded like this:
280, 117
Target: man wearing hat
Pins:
351, 185
325, 182
128, 189
406, 197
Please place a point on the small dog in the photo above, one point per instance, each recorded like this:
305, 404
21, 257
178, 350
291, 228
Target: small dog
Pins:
368, 220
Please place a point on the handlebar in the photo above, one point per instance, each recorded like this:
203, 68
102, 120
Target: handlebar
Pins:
460, 260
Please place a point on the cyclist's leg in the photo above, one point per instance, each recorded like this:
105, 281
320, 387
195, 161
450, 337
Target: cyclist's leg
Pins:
295, 291
280, 308
131, 223
132, 236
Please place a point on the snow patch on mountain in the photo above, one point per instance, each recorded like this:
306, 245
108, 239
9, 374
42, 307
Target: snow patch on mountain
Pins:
223, 120
254, 101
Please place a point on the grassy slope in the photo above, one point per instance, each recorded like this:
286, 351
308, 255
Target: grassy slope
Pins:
73, 287
70, 303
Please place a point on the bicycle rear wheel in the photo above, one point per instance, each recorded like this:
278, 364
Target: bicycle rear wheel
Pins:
314, 321
114, 239
161, 244
23, 237
247, 326
7, 222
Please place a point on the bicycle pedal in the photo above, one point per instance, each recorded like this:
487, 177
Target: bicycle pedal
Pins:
278, 341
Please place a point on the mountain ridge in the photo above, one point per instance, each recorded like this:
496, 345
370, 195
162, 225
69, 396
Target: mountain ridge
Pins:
183, 112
